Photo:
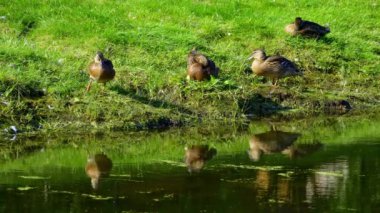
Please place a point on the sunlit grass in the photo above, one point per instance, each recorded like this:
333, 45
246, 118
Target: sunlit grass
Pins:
46, 46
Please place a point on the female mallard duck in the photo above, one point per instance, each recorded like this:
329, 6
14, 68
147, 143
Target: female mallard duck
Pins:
269, 142
197, 155
306, 29
273, 67
98, 166
100, 70
199, 67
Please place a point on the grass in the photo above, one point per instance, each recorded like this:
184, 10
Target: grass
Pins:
45, 47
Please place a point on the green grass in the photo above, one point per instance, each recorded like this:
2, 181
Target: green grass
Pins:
45, 47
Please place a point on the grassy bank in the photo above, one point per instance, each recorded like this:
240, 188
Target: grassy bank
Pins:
45, 47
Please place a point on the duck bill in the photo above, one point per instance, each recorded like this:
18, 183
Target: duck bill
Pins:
250, 58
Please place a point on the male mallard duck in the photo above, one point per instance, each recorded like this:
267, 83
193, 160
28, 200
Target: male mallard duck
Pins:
98, 166
197, 155
100, 70
273, 67
306, 29
199, 67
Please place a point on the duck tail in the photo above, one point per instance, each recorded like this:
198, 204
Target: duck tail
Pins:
327, 27
299, 72
211, 153
296, 71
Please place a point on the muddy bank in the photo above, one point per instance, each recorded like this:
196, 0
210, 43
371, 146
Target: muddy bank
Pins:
136, 111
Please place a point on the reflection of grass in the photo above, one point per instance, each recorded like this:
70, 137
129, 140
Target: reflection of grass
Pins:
71, 151
334, 174
25, 188
250, 167
34, 177
44, 54
97, 197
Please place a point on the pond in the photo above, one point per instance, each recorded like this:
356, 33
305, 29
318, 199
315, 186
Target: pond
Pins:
324, 164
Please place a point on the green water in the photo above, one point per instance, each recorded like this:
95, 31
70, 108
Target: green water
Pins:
328, 164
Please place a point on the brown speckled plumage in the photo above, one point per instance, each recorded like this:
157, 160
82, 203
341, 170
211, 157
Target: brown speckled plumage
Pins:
270, 142
98, 166
272, 67
197, 155
306, 29
100, 70
199, 67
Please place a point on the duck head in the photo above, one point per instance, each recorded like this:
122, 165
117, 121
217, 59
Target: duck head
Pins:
191, 56
197, 155
195, 57
254, 153
99, 57
193, 51
298, 22
258, 54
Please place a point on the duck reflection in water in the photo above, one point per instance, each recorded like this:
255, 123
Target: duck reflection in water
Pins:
269, 142
98, 166
197, 155
275, 141
300, 150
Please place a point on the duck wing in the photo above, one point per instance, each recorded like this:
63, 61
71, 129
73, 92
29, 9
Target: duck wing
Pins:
107, 64
282, 65
311, 27
213, 69
279, 60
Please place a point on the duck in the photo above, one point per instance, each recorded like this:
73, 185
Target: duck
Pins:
200, 67
98, 166
340, 106
100, 70
306, 28
301, 150
272, 67
197, 155
273, 141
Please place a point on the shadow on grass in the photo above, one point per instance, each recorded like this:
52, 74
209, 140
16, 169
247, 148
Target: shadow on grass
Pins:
259, 106
328, 40
27, 26
132, 93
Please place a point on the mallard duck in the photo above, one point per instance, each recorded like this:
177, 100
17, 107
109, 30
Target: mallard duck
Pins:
199, 67
101, 70
197, 155
272, 67
341, 106
306, 29
270, 142
98, 166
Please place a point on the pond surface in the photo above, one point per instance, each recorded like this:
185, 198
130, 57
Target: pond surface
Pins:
318, 165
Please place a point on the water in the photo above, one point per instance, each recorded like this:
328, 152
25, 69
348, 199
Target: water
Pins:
321, 165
